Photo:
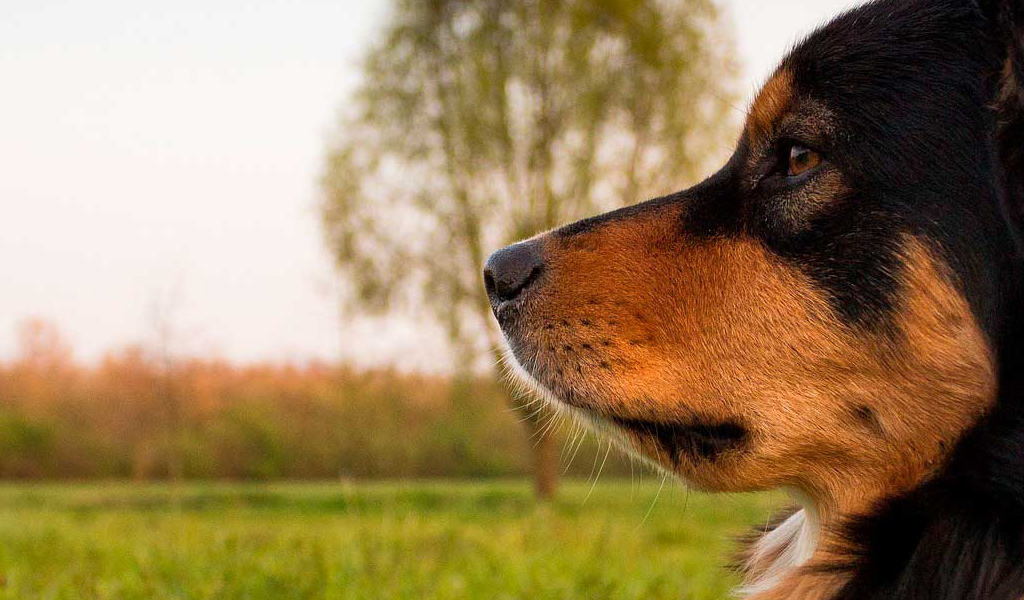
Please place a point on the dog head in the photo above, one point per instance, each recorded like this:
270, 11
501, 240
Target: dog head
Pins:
826, 312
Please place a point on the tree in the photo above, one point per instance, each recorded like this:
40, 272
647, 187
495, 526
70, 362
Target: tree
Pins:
479, 122
43, 348
169, 414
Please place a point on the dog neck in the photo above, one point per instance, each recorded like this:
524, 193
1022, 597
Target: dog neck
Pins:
782, 550
956, 535
792, 560
774, 563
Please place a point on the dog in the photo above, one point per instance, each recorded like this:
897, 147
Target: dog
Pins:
837, 312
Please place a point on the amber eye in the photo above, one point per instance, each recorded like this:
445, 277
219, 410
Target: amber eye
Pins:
801, 160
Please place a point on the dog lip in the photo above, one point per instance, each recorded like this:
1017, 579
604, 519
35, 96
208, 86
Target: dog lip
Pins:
506, 310
506, 305
700, 439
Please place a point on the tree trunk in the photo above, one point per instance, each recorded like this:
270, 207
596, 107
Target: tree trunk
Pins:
543, 440
545, 454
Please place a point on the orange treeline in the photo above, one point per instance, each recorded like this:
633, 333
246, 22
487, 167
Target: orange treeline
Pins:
136, 415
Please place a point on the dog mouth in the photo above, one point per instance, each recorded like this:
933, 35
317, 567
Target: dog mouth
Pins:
568, 373
696, 439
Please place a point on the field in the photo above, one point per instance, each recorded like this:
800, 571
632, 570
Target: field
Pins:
341, 540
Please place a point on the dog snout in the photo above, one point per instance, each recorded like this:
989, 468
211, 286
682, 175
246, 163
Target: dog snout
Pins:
509, 272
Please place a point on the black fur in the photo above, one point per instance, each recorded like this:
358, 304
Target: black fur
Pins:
911, 83
699, 440
936, 135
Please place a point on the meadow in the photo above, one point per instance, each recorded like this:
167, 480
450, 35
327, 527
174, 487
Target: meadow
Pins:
619, 539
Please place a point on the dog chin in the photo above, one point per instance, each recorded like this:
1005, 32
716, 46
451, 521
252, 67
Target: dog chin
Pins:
519, 374
588, 418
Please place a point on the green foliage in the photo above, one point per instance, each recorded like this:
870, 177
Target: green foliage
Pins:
23, 444
436, 541
479, 122
259, 422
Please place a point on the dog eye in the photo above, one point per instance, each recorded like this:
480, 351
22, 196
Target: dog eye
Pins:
801, 160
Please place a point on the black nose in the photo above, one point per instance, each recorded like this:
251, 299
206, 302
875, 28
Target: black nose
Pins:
511, 270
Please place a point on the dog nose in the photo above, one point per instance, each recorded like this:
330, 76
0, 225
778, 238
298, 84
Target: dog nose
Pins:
511, 270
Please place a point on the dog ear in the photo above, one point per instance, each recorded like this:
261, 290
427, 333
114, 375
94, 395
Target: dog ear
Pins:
1006, 22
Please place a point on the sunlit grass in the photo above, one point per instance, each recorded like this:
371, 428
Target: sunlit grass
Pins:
439, 540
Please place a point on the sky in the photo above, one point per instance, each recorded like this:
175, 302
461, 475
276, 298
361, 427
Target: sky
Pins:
159, 165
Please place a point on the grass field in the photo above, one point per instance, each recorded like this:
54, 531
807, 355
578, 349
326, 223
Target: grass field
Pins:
388, 540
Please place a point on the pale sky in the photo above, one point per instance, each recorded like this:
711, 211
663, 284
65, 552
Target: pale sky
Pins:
164, 156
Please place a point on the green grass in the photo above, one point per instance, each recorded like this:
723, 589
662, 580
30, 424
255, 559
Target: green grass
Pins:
345, 541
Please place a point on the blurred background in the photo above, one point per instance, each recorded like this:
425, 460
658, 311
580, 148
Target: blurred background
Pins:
244, 349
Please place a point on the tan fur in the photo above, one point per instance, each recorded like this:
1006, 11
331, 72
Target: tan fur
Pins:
804, 585
771, 103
